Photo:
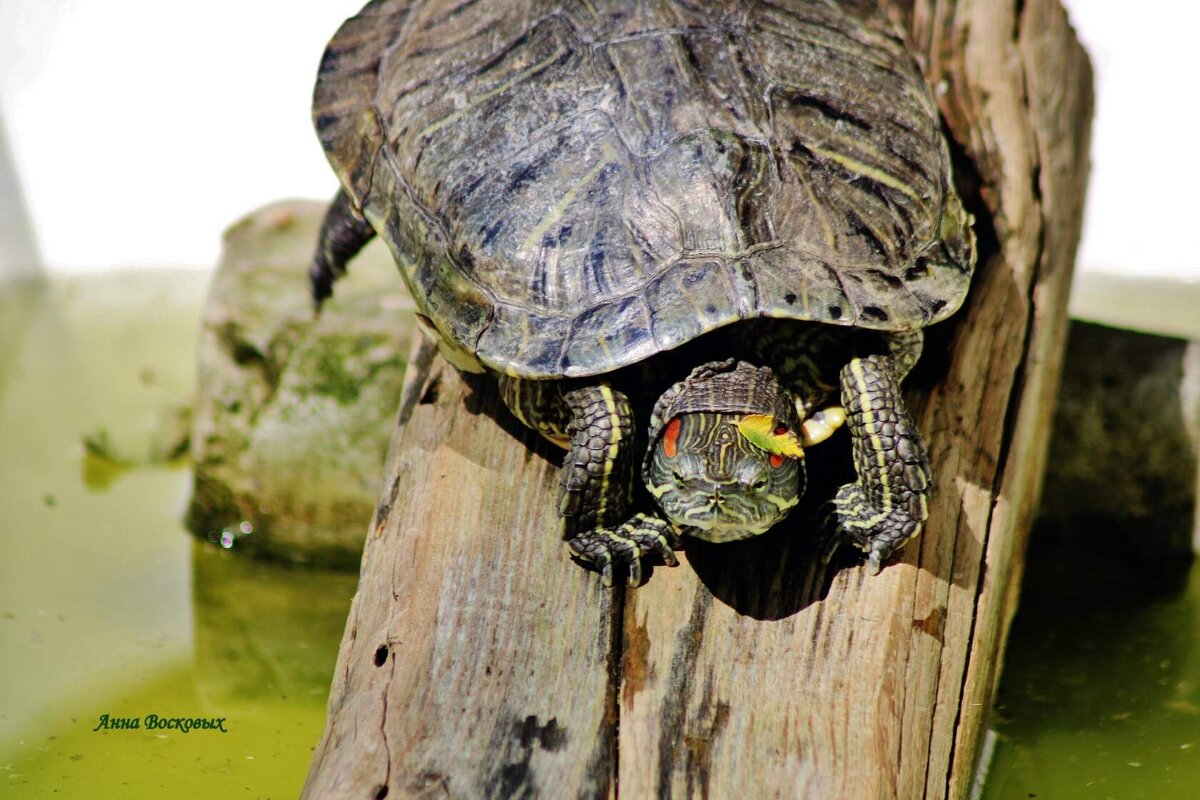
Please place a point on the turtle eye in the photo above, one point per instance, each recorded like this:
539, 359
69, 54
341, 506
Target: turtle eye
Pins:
760, 486
677, 475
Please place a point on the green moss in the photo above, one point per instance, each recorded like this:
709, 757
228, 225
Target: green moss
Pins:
331, 373
342, 367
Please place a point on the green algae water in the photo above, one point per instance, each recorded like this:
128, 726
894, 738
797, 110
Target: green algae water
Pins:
1100, 694
107, 606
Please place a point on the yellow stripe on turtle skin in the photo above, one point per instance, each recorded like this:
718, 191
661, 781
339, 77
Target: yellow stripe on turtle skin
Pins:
610, 453
868, 414
517, 400
782, 503
556, 439
612, 534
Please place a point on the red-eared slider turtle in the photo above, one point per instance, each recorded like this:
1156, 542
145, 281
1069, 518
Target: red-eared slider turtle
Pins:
744, 209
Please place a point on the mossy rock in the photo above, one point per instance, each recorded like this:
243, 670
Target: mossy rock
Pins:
294, 412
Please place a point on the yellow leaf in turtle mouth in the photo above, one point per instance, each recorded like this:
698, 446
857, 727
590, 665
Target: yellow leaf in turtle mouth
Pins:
760, 431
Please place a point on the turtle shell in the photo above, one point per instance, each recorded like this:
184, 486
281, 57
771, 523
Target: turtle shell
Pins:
570, 188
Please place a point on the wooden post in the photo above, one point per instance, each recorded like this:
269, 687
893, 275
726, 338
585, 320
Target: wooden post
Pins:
479, 662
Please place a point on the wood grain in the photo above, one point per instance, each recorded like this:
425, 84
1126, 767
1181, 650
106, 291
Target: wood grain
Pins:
472, 640
479, 662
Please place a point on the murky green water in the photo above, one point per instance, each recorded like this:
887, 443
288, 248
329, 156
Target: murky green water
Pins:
107, 606
1100, 696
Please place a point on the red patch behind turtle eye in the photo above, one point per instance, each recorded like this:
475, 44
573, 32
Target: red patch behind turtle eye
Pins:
671, 438
776, 460
780, 430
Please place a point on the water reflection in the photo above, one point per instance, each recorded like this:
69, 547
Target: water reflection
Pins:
266, 630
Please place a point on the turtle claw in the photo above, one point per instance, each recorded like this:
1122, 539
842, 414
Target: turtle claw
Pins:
606, 576
635, 572
879, 534
625, 545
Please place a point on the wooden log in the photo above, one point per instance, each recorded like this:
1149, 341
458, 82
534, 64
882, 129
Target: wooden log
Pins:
478, 662
477, 659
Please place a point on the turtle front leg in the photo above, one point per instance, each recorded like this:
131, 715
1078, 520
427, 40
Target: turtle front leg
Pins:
596, 487
887, 505
596, 425
344, 232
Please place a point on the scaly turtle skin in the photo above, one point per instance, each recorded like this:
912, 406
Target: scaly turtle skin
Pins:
588, 198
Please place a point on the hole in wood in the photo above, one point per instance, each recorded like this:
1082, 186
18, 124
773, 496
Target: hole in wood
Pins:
380, 791
381, 654
430, 395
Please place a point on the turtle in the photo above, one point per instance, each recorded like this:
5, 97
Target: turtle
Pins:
689, 240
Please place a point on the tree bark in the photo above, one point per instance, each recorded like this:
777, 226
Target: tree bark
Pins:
479, 662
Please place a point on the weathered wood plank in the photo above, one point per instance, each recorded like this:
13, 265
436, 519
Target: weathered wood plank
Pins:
477, 660
751, 670
1055, 79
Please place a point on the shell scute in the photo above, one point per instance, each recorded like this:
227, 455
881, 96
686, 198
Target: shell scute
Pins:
682, 313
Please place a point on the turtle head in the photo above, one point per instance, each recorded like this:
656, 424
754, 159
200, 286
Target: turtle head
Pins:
716, 475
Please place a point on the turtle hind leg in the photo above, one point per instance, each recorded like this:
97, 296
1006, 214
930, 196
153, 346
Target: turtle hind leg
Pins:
344, 231
888, 504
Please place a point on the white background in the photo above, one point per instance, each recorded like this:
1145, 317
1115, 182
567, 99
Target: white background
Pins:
138, 130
